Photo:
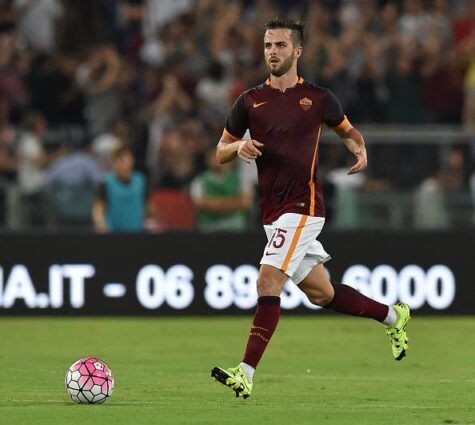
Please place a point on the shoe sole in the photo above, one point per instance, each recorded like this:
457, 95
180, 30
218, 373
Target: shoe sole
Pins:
221, 376
401, 355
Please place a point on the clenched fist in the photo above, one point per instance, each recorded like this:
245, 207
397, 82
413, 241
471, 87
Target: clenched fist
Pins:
248, 150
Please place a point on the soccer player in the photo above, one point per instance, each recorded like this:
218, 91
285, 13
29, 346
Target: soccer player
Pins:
285, 116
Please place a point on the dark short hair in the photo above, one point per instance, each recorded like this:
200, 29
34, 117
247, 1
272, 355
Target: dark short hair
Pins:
296, 27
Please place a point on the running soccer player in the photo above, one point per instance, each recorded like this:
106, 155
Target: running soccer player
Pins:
285, 116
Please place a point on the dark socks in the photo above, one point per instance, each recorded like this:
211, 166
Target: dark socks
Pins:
349, 301
263, 326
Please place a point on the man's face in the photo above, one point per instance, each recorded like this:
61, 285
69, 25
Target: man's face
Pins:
279, 51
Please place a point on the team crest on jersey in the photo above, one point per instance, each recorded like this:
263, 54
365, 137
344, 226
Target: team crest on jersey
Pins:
305, 103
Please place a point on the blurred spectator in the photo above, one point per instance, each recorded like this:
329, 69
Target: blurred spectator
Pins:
13, 62
454, 171
214, 92
345, 192
439, 25
464, 23
430, 211
164, 113
434, 197
121, 203
8, 153
53, 91
32, 159
405, 92
105, 144
77, 168
413, 23
69, 186
220, 197
84, 24
442, 90
8, 168
8, 16
179, 164
102, 77
157, 13
37, 22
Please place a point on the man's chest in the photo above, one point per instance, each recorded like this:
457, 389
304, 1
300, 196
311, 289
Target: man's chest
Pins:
284, 114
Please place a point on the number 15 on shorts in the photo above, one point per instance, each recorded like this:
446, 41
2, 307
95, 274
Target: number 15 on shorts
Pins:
277, 241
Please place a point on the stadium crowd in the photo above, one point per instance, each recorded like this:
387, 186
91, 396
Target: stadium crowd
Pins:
79, 79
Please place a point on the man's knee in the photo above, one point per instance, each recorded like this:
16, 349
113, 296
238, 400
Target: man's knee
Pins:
270, 283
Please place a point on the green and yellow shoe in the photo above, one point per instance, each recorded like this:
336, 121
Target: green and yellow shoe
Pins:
398, 333
234, 378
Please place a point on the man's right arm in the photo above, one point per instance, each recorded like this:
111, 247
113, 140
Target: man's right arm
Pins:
229, 148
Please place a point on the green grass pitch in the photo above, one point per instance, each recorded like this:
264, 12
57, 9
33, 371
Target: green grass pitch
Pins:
317, 370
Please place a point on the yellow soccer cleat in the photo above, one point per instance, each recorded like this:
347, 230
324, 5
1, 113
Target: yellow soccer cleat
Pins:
398, 333
234, 378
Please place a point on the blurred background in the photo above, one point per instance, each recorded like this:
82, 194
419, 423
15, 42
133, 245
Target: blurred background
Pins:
80, 79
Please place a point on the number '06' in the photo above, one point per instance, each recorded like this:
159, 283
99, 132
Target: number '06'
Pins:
154, 286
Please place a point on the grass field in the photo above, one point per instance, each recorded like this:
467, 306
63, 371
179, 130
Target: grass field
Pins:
318, 370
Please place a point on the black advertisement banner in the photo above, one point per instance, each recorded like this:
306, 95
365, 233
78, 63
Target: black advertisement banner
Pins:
183, 274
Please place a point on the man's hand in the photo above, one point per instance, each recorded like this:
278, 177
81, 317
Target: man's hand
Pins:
248, 150
361, 161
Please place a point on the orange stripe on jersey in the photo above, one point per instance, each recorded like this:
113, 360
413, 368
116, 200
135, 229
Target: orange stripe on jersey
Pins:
294, 243
311, 183
300, 81
344, 125
227, 133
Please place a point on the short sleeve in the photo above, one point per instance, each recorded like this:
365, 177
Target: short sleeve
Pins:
332, 110
237, 121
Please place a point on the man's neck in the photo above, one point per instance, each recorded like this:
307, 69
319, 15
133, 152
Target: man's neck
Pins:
284, 82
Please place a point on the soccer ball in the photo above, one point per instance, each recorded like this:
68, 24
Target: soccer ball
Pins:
90, 381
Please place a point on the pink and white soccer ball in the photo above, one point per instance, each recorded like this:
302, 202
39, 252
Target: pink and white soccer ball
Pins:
90, 381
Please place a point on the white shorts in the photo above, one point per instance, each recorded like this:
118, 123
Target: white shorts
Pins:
293, 246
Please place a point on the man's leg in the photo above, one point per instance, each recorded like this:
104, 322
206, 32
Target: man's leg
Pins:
347, 300
342, 298
270, 284
269, 287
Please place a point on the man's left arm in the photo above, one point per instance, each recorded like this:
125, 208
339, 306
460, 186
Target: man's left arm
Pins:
334, 117
354, 142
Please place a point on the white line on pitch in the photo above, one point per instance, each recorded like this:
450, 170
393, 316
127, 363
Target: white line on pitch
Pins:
350, 406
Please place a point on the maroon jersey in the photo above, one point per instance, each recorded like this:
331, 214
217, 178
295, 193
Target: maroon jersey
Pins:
289, 125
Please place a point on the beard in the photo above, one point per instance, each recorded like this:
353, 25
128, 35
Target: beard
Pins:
282, 69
